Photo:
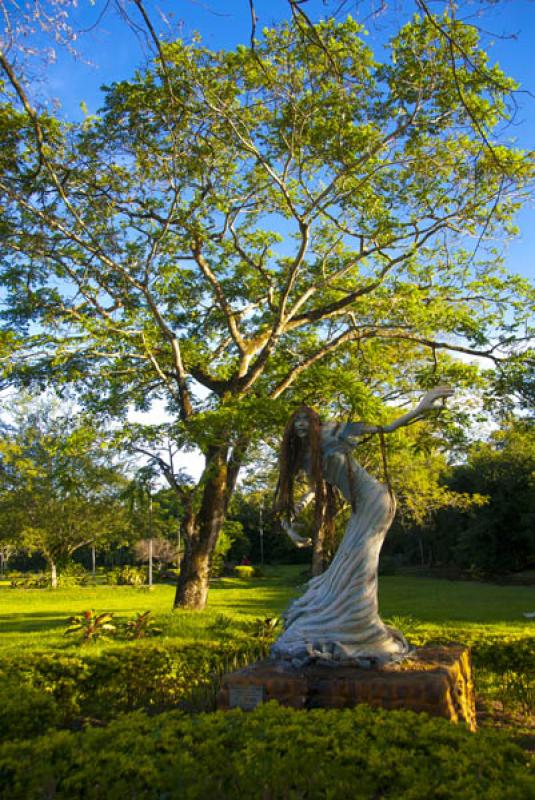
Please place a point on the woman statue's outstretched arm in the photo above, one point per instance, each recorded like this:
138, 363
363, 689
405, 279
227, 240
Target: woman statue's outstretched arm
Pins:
297, 539
427, 403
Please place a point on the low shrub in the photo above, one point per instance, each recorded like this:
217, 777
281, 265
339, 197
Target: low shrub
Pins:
244, 571
141, 626
127, 576
153, 675
91, 626
60, 679
272, 752
97, 687
73, 574
39, 580
25, 710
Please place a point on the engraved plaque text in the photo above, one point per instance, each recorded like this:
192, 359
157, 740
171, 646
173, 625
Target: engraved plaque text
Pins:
245, 697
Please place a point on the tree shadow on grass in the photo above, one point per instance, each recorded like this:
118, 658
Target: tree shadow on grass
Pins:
269, 602
37, 621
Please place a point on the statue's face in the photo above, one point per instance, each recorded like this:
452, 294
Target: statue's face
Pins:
302, 425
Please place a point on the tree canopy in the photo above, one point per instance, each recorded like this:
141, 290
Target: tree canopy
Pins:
59, 489
236, 230
501, 536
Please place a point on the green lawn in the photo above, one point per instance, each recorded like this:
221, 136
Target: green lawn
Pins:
36, 618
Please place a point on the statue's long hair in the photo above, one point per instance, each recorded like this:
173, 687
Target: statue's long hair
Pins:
291, 460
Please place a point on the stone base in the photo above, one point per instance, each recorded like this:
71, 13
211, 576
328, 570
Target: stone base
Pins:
437, 680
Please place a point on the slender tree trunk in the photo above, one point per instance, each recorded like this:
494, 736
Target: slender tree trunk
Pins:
53, 575
93, 561
422, 554
150, 537
202, 529
318, 552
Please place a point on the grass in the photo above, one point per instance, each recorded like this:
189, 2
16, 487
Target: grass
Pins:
424, 609
36, 618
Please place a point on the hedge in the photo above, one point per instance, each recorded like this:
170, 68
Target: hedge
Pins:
271, 753
68, 690
39, 691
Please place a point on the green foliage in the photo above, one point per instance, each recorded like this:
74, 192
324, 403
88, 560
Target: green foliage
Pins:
141, 626
100, 686
34, 581
25, 710
244, 571
232, 532
500, 536
73, 574
273, 225
274, 752
59, 490
222, 625
127, 576
265, 631
52, 683
91, 626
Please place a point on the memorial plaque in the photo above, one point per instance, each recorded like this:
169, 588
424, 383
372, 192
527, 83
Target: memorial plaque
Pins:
245, 697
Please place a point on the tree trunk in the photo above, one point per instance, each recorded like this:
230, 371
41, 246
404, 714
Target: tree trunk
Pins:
201, 531
422, 554
318, 552
53, 575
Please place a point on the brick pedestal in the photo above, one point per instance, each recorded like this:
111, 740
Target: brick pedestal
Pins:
437, 680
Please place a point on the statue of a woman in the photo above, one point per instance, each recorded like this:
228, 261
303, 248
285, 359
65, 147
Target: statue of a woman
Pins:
337, 618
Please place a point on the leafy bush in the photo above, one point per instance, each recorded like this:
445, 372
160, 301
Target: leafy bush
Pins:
272, 752
98, 687
25, 711
38, 580
244, 571
141, 626
73, 574
127, 576
92, 626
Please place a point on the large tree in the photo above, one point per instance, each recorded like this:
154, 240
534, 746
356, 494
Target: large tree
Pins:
236, 230
59, 490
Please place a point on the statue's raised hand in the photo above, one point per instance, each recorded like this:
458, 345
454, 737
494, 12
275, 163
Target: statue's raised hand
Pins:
427, 403
299, 541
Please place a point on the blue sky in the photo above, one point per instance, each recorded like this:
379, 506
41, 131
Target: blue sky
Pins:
115, 51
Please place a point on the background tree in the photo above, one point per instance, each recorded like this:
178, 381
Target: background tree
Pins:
58, 490
500, 536
263, 225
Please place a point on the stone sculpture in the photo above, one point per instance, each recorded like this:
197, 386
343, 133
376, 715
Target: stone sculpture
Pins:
337, 618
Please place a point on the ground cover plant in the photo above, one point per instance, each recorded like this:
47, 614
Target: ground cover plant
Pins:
273, 753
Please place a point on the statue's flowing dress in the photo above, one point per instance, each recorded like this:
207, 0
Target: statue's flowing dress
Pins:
337, 618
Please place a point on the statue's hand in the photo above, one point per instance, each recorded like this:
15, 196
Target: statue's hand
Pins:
438, 393
299, 541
